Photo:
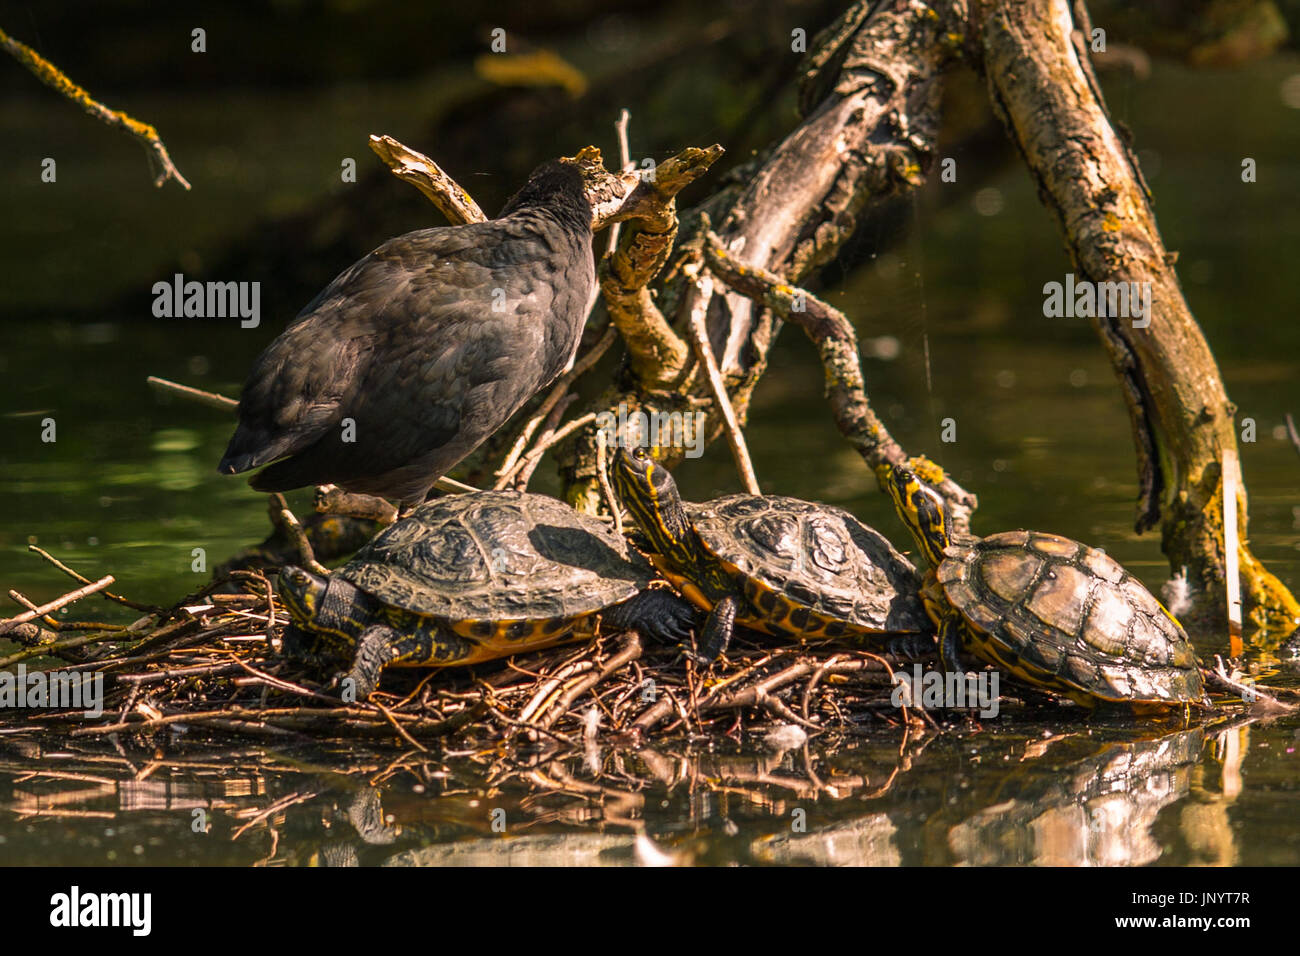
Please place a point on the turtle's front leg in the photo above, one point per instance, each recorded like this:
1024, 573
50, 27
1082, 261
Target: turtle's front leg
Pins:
419, 642
376, 646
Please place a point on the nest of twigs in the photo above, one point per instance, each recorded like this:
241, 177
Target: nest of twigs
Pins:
214, 661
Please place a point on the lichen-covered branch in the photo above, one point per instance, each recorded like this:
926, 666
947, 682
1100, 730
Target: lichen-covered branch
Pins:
846, 389
57, 80
1042, 86
869, 135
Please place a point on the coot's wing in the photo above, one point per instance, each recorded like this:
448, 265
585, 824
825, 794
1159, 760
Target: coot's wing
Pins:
301, 382
406, 345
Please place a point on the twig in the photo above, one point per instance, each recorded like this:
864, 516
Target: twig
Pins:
625, 160
561, 389
1231, 566
629, 652
602, 471
57, 603
528, 464
109, 595
1292, 432
57, 80
196, 394
283, 518
701, 294
837, 345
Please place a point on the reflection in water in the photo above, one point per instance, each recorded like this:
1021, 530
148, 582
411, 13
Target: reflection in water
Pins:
1097, 810
1090, 795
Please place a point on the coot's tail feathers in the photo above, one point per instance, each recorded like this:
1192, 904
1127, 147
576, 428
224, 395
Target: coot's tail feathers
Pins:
249, 450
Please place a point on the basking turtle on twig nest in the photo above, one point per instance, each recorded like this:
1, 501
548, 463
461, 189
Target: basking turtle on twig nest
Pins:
473, 577
414, 355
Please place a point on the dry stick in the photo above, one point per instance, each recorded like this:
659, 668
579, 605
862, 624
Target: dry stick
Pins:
19, 598
701, 294
549, 685
388, 715
51, 650
285, 518
211, 399
57, 603
630, 651
57, 80
197, 670
1252, 693
551, 420
561, 389
625, 160
109, 595
837, 345
529, 464
602, 471
1231, 573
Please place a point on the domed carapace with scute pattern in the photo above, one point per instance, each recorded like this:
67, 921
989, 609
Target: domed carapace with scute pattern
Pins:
786, 567
1053, 612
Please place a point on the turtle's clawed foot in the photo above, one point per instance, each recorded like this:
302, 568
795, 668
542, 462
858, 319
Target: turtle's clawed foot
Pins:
911, 646
657, 613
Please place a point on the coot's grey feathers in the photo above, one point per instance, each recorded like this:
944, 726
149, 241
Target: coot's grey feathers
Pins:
404, 353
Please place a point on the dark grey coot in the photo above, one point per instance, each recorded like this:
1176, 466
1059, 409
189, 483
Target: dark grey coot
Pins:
427, 345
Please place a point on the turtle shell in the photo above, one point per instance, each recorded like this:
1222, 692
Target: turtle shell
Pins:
1068, 616
498, 555
808, 566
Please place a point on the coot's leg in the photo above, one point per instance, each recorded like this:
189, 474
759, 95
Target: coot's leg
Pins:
717, 631
657, 613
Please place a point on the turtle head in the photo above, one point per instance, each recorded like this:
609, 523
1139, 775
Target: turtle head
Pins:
648, 492
922, 509
301, 593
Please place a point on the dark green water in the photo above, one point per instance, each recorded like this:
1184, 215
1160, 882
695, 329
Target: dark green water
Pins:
129, 488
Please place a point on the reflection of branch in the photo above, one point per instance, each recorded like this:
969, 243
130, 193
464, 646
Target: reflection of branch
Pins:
837, 345
55, 79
